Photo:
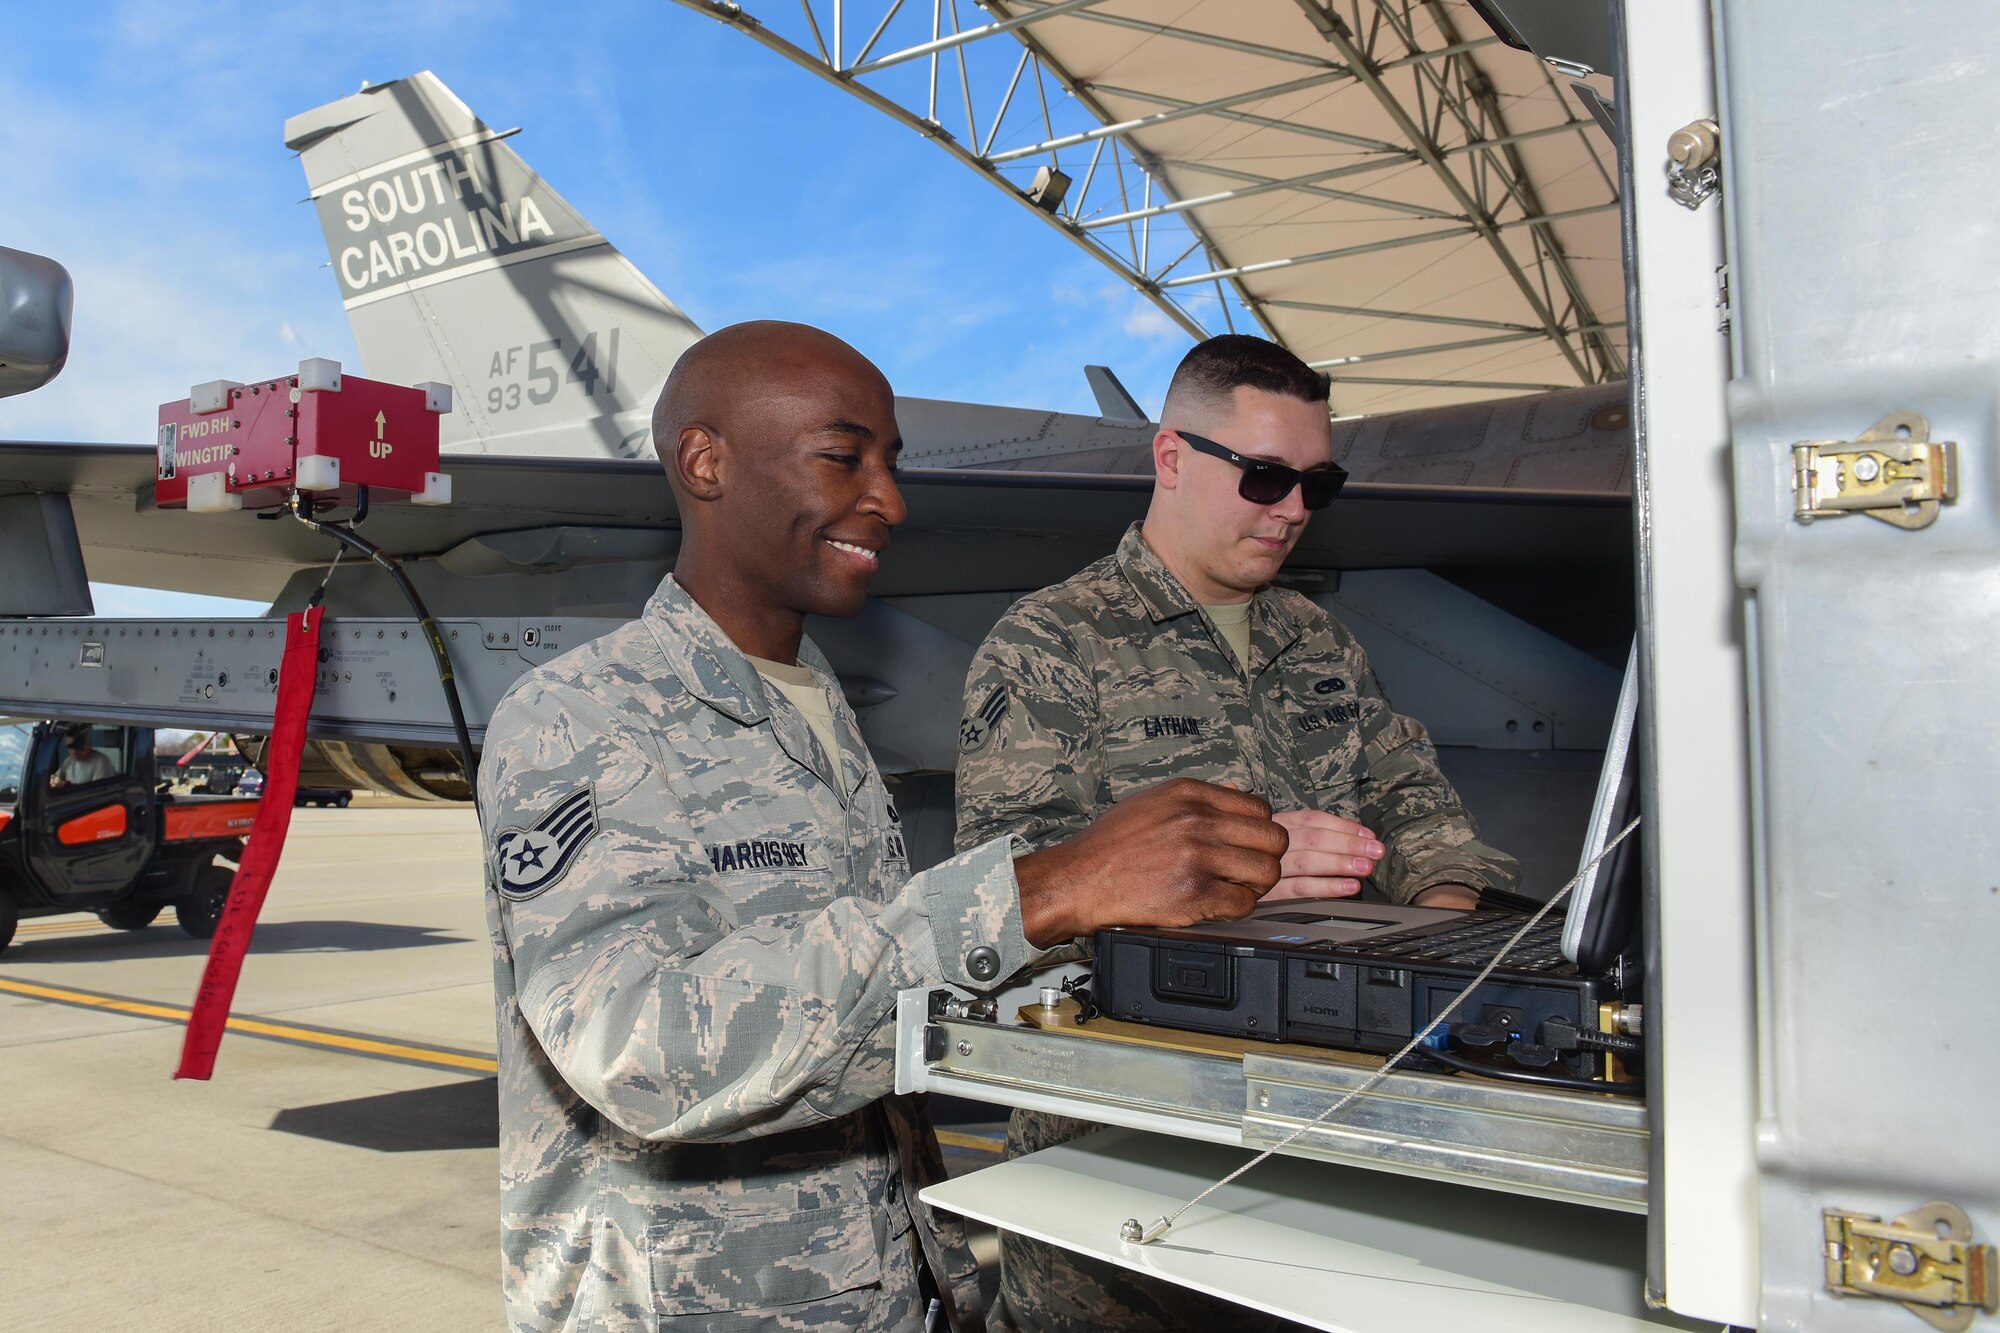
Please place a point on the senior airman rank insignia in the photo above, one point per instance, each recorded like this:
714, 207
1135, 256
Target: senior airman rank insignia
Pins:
530, 860
975, 731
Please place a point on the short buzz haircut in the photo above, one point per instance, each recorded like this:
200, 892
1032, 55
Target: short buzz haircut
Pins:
1215, 369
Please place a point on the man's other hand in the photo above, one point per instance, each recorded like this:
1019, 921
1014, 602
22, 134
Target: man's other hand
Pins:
1328, 856
1172, 855
1455, 896
55, 780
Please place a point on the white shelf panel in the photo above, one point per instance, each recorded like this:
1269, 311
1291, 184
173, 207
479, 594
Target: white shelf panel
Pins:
1338, 1248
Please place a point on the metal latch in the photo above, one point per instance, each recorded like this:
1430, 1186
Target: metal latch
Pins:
1894, 472
1694, 162
948, 1004
1925, 1259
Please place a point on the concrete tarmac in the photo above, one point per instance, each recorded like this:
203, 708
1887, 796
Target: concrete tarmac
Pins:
338, 1172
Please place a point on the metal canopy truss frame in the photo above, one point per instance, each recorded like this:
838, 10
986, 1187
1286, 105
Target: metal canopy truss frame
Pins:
1251, 164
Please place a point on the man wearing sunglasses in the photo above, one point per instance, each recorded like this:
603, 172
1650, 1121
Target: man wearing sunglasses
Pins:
1175, 657
84, 764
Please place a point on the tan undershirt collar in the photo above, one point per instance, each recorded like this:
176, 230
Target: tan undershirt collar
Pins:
1233, 620
798, 684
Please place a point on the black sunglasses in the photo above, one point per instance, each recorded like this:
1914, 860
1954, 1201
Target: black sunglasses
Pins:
1267, 483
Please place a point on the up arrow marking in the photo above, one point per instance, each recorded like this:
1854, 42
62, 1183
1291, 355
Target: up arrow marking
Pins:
381, 421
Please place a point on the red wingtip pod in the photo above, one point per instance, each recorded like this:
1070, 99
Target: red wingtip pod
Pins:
232, 445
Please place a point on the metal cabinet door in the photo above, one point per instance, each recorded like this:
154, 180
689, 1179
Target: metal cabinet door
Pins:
1858, 144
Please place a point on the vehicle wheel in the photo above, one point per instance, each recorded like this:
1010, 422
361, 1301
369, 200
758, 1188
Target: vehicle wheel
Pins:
201, 911
129, 916
340, 801
10, 916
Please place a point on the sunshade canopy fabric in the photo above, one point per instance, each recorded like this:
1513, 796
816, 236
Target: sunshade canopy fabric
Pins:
1429, 215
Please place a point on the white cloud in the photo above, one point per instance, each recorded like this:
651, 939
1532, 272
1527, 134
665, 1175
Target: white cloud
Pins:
1149, 321
145, 330
114, 599
173, 285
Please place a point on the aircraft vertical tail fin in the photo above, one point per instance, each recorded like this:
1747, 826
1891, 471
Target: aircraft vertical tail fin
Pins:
458, 263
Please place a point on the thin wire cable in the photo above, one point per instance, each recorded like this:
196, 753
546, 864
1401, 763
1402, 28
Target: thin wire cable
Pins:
320, 595
1161, 1226
300, 508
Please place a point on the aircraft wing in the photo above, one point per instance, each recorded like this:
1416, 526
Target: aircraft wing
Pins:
995, 527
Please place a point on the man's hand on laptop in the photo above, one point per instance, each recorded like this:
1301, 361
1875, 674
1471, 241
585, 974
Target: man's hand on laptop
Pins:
1328, 856
1171, 855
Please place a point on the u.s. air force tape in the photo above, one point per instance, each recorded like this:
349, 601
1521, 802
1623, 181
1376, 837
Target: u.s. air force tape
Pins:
530, 860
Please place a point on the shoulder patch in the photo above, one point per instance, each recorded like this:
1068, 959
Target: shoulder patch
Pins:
977, 730
528, 861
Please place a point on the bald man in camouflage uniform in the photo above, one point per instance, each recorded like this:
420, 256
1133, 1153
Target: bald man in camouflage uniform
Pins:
702, 909
1175, 657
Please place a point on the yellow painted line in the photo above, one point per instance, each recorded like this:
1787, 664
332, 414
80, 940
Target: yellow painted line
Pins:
343, 1041
58, 927
366, 1045
353, 1043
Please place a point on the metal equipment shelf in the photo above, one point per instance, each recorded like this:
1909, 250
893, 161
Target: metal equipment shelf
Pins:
1577, 1147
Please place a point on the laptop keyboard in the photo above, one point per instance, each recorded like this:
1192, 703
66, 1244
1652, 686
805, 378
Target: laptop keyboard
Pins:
1473, 942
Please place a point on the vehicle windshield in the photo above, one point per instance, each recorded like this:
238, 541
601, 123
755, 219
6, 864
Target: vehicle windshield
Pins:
14, 740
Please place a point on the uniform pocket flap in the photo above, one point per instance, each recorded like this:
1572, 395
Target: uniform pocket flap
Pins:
746, 1263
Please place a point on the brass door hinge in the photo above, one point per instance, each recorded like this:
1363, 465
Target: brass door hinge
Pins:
1894, 472
1925, 1259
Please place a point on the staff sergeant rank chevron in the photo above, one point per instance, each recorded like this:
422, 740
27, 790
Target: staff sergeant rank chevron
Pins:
526, 861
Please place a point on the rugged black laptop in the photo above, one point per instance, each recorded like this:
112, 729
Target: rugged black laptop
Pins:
1369, 976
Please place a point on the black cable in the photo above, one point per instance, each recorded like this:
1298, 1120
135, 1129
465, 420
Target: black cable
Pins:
1562, 1036
1460, 1063
301, 508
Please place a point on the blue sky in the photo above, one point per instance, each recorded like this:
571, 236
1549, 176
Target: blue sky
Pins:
141, 145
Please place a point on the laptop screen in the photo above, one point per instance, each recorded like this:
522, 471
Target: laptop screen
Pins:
1603, 909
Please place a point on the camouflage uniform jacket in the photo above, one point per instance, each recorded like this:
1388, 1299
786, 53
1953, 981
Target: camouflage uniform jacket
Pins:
1116, 679
700, 924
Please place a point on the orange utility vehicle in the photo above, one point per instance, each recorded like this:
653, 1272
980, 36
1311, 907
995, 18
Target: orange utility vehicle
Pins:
109, 840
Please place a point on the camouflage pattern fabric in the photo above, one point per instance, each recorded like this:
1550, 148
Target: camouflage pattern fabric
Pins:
1116, 680
700, 923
